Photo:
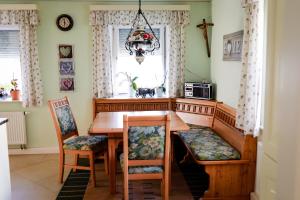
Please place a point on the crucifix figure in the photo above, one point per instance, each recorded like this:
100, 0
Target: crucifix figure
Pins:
204, 27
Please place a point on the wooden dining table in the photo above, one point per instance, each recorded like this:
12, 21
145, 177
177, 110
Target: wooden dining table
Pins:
111, 124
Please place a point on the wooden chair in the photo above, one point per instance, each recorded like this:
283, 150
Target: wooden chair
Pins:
71, 143
146, 150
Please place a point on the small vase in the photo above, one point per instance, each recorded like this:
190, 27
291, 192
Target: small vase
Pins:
15, 95
160, 92
131, 92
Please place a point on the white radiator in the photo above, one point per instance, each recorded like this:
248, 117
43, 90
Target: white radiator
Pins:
16, 129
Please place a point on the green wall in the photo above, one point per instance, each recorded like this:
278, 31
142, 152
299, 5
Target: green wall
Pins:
197, 62
40, 129
228, 18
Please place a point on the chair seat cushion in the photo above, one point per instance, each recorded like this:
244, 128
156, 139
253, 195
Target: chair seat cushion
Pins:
141, 169
205, 144
88, 143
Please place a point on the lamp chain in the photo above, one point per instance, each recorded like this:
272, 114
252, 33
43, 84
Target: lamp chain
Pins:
140, 9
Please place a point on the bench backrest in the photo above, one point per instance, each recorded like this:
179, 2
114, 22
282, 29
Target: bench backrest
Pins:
195, 111
221, 118
131, 104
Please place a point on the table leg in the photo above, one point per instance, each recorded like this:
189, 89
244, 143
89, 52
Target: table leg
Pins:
172, 148
171, 162
112, 165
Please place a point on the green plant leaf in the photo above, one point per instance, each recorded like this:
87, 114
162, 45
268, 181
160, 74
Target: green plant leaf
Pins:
134, 86
134, 79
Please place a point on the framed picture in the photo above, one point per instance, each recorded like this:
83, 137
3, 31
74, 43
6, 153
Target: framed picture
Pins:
65, 51
66, 67
66, 84
232, 46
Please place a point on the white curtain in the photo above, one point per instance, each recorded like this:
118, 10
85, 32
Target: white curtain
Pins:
100, 20
27, 20
175, 60
101, 61
249, 105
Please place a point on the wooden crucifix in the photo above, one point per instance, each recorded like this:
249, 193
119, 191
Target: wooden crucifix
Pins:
204, 27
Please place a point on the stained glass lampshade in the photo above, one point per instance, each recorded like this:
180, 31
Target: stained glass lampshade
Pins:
138, 40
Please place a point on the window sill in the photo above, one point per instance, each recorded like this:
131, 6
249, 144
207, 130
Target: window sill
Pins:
127, 96
9, 100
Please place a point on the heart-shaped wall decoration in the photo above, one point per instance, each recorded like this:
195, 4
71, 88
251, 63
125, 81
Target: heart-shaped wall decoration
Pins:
66, 68
67, 84
65, 51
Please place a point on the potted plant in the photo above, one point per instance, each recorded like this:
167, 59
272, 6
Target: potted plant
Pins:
15, 92
132, 83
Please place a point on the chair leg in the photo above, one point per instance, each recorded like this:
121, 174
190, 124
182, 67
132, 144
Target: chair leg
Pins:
61, 166
106, 163
166, 187
126, 192
92, 168
75, 162
162, 188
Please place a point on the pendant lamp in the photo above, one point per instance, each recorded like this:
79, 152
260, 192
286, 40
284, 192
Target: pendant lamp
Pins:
139, 41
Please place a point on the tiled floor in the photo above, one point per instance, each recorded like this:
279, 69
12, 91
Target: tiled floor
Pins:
35, 177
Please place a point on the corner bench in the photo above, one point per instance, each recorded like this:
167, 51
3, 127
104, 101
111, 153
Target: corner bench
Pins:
228, 156
228, 178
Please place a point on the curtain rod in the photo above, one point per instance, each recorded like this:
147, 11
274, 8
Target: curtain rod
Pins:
135, 7
18, 7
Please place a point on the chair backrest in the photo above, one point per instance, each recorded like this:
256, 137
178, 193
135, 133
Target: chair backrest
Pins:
63, 119
146, 140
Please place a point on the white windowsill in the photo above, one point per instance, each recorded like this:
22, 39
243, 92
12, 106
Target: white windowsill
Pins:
127, 96
9, 100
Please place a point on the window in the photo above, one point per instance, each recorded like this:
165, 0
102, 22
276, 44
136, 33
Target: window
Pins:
9, 58
150, 73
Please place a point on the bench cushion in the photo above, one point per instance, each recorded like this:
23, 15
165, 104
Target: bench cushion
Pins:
207, 145
195, 126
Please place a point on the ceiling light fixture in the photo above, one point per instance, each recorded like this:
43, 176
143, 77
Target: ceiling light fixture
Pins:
138, 40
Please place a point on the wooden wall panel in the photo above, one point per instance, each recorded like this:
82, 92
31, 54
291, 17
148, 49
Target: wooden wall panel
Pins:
130, 104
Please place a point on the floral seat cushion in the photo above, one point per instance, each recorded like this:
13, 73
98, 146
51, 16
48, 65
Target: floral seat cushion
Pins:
65, 119
94, 143
195, 126
146, 142
141, 169
207, 145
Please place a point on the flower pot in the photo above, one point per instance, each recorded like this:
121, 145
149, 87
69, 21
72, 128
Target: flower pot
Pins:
160, 92
132, 92
15, 94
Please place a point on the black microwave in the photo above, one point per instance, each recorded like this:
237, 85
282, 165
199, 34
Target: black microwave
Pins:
198, 90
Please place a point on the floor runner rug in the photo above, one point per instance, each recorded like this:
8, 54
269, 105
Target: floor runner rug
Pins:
146, 190
75, 185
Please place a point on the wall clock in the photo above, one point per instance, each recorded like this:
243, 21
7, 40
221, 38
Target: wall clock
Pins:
64, 22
